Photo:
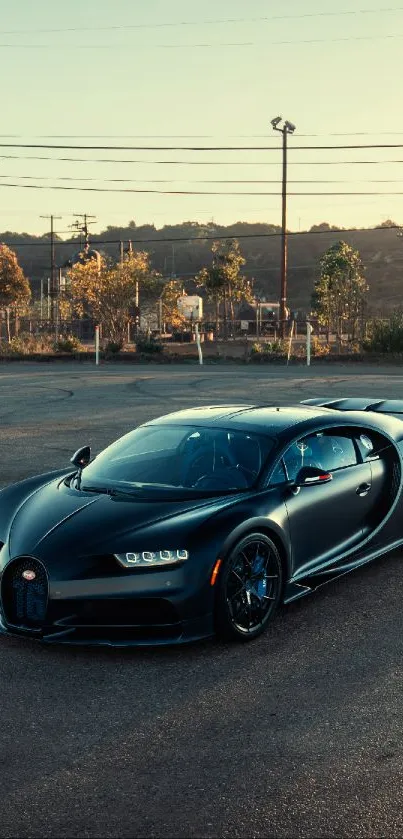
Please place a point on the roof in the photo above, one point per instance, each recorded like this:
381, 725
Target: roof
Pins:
277, 421
262, 418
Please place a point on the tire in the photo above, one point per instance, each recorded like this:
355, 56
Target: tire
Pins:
248, 589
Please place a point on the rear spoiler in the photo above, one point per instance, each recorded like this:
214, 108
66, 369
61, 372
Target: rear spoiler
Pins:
359, 403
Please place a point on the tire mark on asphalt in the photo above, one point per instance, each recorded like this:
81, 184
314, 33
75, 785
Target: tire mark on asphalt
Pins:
143, 391
66, 394
136, 385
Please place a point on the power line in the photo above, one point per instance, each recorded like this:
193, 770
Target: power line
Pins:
200, 180
183, 191
216, 45
160, 148
195, 162
198, 148
258, 270
339, 134
192, 136
206, 238
207, 22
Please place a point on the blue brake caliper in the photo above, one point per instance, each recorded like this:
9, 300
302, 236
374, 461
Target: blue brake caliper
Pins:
258, 569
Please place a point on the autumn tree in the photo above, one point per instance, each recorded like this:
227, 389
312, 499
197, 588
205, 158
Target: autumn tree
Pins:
106, 291
15, 291
223, 281
171, 315
340, 290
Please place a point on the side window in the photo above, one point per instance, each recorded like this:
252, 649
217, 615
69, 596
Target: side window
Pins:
338, 451
366, 444
278, 476
303, 452
327, 451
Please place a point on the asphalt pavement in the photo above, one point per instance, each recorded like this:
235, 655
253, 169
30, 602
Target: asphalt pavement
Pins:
297, 734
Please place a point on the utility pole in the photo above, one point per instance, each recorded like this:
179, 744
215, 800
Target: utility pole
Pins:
136, 298
53, 279
82, 220
128, 251
173, 268
288, 128
129, 254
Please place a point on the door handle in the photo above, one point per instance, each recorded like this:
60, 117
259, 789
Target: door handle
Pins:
363, 489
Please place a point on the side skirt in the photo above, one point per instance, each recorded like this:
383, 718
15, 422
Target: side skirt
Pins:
294, 590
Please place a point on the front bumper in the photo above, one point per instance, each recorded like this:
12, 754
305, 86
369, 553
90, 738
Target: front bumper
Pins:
186, 632
106, 605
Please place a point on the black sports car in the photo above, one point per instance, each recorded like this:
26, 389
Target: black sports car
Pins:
201, 522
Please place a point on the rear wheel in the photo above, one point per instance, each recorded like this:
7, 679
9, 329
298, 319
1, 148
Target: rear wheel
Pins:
249, 588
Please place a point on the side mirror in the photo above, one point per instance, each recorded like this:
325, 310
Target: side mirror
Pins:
311, 475
82, 457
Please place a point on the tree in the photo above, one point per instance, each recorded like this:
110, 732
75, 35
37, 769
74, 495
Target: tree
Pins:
169, 299
106, 291
322, 228
340, 290
388, 223
223, 281
15, 291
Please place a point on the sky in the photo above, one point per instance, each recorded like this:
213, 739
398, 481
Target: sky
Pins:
182, 73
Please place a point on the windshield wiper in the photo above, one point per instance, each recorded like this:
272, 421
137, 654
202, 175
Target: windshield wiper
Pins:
145, 492
110, 491
101, 490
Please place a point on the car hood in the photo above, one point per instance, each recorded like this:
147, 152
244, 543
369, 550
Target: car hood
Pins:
55, 517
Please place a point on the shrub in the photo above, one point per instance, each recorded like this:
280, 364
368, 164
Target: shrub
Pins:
386, 336
269, 348
41, 343
67, 344
25, 343
148, 346
17, 346
113, 348
318, 348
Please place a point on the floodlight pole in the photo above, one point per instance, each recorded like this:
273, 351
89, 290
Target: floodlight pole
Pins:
284, 242
287, 129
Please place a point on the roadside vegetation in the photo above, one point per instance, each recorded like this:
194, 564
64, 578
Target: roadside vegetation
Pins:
106, 292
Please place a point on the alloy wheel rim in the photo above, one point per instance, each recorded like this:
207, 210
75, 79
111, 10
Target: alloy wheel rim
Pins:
252, 586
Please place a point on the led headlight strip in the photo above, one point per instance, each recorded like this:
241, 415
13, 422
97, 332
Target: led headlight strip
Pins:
151, 559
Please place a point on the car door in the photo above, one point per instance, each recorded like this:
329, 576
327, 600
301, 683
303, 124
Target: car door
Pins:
327, 519
384, 458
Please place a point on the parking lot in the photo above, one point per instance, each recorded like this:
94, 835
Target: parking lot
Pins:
296, 734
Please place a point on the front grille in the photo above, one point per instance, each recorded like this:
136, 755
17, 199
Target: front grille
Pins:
24, 602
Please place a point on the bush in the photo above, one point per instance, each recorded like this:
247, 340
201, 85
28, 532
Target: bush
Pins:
25, 343
68, 344
385, 336
148, 346
318, 348
278, 349
17, 346
269, 348
113, 348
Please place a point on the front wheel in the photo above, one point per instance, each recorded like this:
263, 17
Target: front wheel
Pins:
248, 589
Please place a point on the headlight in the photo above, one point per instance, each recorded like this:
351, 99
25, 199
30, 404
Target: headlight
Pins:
151, 559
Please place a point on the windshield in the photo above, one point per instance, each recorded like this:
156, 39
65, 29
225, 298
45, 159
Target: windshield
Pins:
180, 460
